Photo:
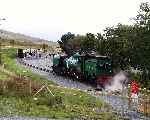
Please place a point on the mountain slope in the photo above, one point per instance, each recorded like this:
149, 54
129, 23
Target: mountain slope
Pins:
24, 38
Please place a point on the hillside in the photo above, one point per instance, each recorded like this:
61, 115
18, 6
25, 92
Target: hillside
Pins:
7, 35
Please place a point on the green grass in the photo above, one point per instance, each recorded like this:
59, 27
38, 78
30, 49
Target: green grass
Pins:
9, 60
66, 103
3, 76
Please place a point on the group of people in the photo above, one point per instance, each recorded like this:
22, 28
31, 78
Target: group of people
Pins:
28, 53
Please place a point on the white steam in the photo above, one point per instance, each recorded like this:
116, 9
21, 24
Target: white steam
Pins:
118, 82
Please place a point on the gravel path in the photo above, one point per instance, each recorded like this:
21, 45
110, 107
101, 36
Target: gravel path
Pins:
120, 105
29, 118
22, 118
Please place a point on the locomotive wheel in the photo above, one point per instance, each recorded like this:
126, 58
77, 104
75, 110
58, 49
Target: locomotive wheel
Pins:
78, 76
57, 70
91, 79
71, 73
75, 75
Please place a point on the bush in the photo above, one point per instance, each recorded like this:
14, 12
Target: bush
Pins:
2, 87
51, 101
18, 86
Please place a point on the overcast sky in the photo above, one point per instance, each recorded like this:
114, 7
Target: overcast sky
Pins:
49, 19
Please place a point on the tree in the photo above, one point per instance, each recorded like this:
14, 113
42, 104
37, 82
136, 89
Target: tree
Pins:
141, 56
89, 43
64, 42
75, 44
116, 43
100, 46
143, 17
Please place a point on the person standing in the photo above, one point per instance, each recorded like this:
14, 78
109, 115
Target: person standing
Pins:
134, 91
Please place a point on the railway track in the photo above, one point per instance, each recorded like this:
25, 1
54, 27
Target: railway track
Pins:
120, 106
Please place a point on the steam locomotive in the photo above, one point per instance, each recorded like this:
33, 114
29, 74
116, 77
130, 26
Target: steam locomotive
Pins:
93, 69
90, 68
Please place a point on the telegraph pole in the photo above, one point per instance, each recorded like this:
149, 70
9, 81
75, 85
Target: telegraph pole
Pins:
1, 46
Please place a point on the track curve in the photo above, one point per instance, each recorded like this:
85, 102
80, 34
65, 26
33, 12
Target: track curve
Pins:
43, 68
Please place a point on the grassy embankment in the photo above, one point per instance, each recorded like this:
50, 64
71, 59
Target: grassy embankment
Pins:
66, 103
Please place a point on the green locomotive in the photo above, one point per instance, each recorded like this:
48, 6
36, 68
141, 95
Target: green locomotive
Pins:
91, 68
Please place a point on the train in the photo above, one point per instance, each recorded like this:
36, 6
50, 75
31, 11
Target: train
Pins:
90, 68
94, 69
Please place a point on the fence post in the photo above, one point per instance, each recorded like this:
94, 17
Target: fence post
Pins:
30, 86
146, 105
144, 109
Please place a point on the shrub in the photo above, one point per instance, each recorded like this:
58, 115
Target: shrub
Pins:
2, 87
18, 86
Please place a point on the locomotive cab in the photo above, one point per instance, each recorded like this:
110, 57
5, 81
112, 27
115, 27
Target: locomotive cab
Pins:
104, 71
98, 69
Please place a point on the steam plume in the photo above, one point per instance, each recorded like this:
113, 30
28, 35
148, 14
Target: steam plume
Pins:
118, 82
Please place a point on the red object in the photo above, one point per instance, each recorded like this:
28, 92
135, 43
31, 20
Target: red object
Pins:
103, 80
134, 87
